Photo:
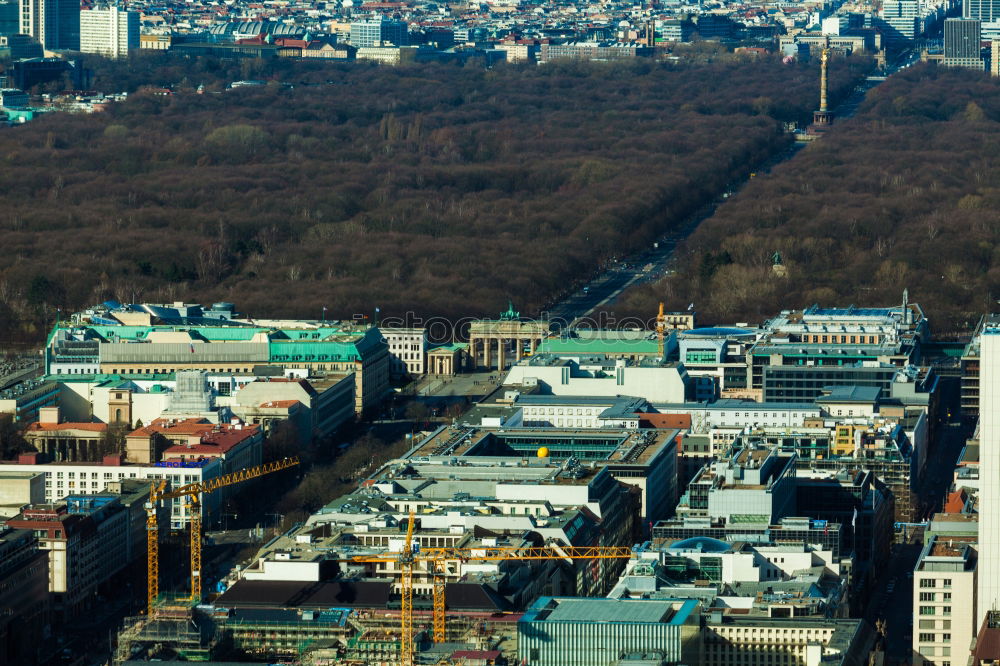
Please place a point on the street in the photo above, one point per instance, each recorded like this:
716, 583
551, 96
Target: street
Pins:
655, 262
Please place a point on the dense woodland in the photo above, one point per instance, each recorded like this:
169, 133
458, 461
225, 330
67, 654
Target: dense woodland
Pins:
903, 195
434, 189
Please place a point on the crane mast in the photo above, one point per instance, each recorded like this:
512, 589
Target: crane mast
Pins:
661, 328
435, 559
191, 493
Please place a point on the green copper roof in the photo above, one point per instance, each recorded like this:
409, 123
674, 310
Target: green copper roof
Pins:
598, 346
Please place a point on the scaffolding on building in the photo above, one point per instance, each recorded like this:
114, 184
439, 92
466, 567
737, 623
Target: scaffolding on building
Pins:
173, 631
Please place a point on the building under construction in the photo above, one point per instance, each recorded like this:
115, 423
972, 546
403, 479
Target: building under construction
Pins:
332, 635
174, 631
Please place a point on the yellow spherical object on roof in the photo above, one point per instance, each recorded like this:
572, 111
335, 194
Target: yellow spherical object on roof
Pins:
543, 452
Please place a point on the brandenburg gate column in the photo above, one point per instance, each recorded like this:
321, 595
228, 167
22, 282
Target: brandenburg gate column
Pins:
487, 353
500, 351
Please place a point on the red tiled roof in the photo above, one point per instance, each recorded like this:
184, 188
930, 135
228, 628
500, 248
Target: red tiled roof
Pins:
93, 427
192, 426
681, 421
956, 502
217, 443
282, 404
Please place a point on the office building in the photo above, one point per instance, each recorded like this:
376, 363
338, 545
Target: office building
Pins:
987, 11
34, 71
378, 31
730, 638
738, 414
595, 632
316, 407
24, 597
54, 23
593, 51
599, 375
944, 601
24, 400
800, 352
676, 30
16, 47
644, 459
176, 443
857, 499
407, 350
88, 540
970, 355
63, 479
791, 580
962, 43
750, 483
109, 31
9, 11
989, 476
12, 98
750, 529
240, 348
18, 490
718, 354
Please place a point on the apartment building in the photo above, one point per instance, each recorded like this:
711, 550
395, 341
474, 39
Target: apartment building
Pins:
109, 31
944, 601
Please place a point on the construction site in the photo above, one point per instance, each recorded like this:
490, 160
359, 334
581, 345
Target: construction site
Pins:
180, 630
381, 621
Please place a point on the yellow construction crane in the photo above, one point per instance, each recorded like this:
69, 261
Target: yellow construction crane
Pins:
436, 558
191, 492
661, 329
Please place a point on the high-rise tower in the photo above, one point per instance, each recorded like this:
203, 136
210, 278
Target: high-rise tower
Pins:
962, 38
989, 473
54, 23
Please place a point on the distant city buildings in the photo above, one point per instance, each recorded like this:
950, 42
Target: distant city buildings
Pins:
54, 23
962, 38
987, 11
378, 31
109, 31
744, 531
102, 342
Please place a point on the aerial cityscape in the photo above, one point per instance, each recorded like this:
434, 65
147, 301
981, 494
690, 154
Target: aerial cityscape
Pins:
511, 333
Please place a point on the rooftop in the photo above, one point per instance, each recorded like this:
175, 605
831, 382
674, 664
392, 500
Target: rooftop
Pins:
718, 332
633, 611
858, 394
55, 427
607, 446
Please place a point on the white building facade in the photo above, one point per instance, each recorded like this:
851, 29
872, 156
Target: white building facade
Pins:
989, 472
944, 602
109, 31
407, 350
90, 478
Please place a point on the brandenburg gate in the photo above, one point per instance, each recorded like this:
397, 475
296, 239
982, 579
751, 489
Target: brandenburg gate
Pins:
499, 334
